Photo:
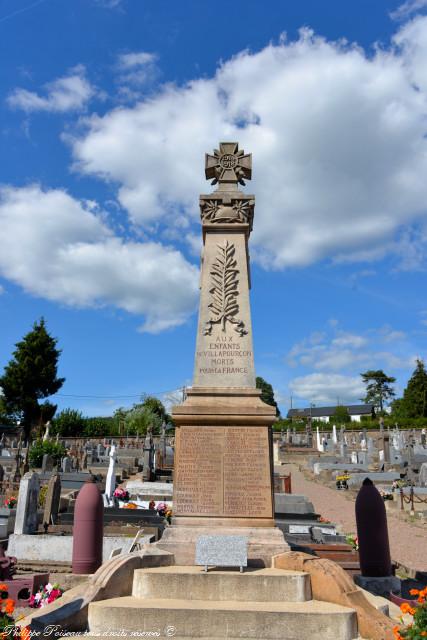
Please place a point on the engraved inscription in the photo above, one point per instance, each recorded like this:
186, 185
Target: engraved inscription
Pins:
228, 161
224, 292
223, 471
224, 356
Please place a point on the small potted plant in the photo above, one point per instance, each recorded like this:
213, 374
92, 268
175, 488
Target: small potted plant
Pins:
352, 540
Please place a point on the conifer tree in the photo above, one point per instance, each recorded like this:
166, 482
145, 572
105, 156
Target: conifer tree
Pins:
414, 401
267, 394
30, 376
378, 387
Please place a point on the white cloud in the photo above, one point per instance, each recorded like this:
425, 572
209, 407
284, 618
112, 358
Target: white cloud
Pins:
57, 247
327, 388
135, 59
337, 136
349, 340
407, 8
69, 93
135, 70
346, 352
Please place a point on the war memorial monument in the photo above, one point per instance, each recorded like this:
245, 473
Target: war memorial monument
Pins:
223, 458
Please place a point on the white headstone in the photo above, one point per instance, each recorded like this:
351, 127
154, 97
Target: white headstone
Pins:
334, 434
110, 483
354, 457
319, 444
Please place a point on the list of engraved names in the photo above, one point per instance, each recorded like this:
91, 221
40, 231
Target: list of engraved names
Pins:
223, 471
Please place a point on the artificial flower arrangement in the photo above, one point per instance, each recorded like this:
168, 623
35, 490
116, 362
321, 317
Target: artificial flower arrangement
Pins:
130, 505
168, 515
418, 628
7, 607
121, 494
10, 502
45, 595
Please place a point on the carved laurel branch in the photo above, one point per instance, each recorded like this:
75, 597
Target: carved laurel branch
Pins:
224, 291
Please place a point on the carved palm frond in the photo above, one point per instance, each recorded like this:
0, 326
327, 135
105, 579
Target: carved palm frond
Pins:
224, 291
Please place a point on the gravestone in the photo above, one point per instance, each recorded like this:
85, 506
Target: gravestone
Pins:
47, 463
110, 483
66, 465
53, 497
222, 475
26, 509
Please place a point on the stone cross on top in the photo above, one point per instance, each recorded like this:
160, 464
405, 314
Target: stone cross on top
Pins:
228, 166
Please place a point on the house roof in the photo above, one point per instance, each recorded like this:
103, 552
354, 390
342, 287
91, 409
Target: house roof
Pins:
317, 412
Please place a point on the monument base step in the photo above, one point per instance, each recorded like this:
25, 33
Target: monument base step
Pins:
254, 585
264, 542
220, 619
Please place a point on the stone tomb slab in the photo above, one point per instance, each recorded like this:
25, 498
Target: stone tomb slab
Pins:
223, 472
222, 551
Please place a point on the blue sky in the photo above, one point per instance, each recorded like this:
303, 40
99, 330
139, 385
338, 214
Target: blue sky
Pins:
107, 108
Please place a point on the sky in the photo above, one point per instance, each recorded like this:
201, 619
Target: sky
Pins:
107, 108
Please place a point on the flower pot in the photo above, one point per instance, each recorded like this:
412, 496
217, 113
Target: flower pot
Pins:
398, 600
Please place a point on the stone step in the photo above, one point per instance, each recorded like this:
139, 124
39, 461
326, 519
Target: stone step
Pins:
193, 583
220, 619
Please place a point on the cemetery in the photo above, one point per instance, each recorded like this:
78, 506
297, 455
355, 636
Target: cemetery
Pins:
199, 534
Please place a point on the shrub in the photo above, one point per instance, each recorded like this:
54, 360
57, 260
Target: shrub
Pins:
37, 451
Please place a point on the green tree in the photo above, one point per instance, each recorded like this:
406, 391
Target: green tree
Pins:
140, 418
68, 422
267, 394
414, 401
378, 388
340, 415
154, 405
31, 375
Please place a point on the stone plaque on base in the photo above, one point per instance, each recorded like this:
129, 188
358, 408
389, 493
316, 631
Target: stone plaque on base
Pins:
223, 472
222, 551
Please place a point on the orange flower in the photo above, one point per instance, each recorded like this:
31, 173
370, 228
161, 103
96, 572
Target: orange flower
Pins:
3, 587
10, 606
406, 608
424, 634
396, 632
414, 592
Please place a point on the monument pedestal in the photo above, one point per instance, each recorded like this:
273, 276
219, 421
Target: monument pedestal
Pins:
223, 478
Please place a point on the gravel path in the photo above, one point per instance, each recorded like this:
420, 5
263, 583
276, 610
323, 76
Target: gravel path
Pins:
408, 543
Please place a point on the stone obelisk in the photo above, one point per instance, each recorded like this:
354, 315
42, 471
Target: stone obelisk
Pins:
223, 457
